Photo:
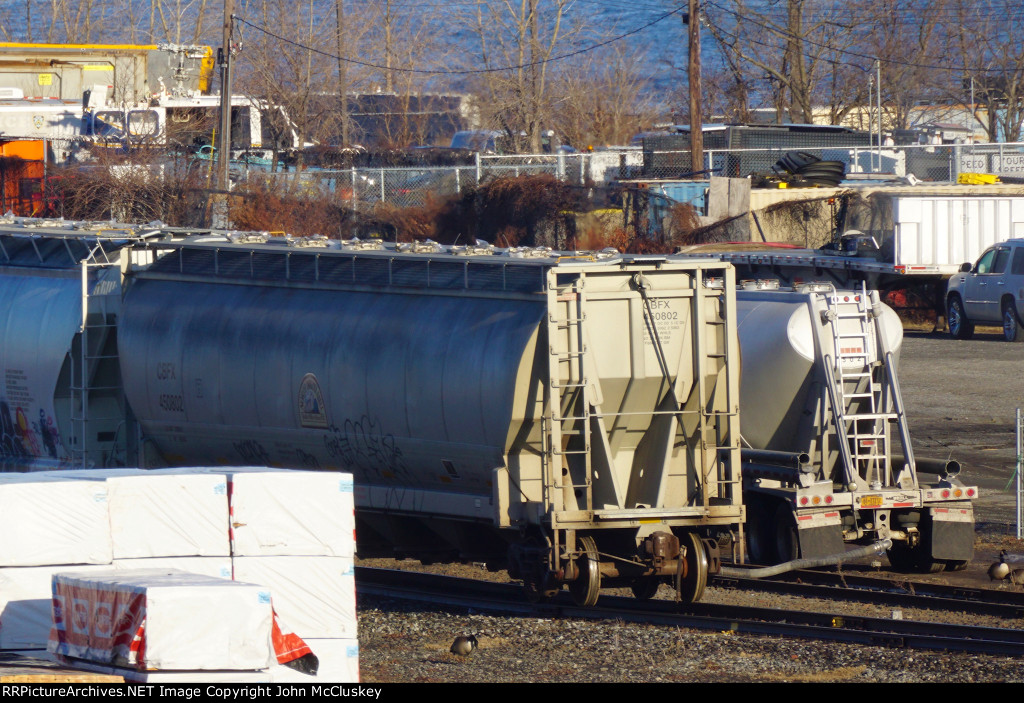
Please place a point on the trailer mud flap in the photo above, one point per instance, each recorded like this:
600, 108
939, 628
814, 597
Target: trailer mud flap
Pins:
952, 533
820, 535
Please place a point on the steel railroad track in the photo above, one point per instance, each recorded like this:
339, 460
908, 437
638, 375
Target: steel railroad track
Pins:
887, 590
508, 598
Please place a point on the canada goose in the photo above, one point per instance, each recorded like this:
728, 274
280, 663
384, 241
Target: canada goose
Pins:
1017, 577
463, 646
1000, 569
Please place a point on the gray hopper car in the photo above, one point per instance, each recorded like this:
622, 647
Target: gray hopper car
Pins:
573, 419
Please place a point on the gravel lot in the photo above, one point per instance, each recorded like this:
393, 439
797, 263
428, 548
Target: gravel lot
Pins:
961, 399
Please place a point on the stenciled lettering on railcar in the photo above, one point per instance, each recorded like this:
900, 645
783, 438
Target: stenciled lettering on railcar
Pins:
665, 320
312, 410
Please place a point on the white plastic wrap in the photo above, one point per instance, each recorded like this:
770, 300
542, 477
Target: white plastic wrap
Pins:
217, 567
282, 512
162, 619
315, 596
173, 513
46, 520
26, 597
339, 663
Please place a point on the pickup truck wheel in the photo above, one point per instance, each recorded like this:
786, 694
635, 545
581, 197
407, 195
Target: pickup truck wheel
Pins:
959, 326
1011, 325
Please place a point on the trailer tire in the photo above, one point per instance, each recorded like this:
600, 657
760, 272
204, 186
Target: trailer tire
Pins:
960, 327
760, 535
913, 560
787, 541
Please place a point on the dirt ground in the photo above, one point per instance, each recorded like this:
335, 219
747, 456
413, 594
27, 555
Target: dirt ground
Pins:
961, 399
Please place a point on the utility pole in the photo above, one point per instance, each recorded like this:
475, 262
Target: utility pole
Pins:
224, 141
696, 116
339, 17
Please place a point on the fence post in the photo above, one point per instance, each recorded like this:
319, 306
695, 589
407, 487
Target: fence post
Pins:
1020, 460
560, 168
355, 199
458, 180
382, 185
478, 168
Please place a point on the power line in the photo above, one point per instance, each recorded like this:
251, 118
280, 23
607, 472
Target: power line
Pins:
834, 49
451, 72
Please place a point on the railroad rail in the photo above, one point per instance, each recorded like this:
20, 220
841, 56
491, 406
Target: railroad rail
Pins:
887, 590
851, 629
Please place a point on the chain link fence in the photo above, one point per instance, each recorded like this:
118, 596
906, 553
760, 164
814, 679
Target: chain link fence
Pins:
417, 187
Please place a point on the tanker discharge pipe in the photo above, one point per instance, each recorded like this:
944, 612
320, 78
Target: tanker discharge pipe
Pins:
870, 550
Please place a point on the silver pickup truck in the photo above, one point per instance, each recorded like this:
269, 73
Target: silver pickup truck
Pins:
990, 292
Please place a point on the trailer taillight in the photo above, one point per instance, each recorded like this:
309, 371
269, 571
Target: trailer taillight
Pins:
945, 493
970, 492
828, 500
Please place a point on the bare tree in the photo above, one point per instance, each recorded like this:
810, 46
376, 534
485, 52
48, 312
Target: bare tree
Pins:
180, 21
521, 37
796, 50
606, 97
986, 35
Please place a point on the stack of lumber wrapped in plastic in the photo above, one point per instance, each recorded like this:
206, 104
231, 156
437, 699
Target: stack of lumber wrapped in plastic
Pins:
136, 548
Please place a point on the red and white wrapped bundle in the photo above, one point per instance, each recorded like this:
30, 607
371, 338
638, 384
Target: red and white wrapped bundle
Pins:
162, 619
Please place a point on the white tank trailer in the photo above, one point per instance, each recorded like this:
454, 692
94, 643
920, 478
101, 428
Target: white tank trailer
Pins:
827, 456
573, 419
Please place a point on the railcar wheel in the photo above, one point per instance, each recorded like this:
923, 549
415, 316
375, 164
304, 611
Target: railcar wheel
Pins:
692, 587
587, 586
645, 587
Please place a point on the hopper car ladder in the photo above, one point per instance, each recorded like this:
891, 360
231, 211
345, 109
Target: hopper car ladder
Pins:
101, 300
567, 417
862, 388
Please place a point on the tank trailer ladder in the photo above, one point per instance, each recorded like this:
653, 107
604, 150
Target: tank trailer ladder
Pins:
863, 391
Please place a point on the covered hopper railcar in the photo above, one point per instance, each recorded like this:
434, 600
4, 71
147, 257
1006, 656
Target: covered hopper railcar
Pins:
572, 419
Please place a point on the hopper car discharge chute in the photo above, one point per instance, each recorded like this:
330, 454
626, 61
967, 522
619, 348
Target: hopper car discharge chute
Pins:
573, 419
827, 456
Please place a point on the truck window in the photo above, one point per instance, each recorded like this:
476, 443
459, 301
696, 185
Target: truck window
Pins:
985, 262
1002, 257
108, 124
143, 123
1017, 267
